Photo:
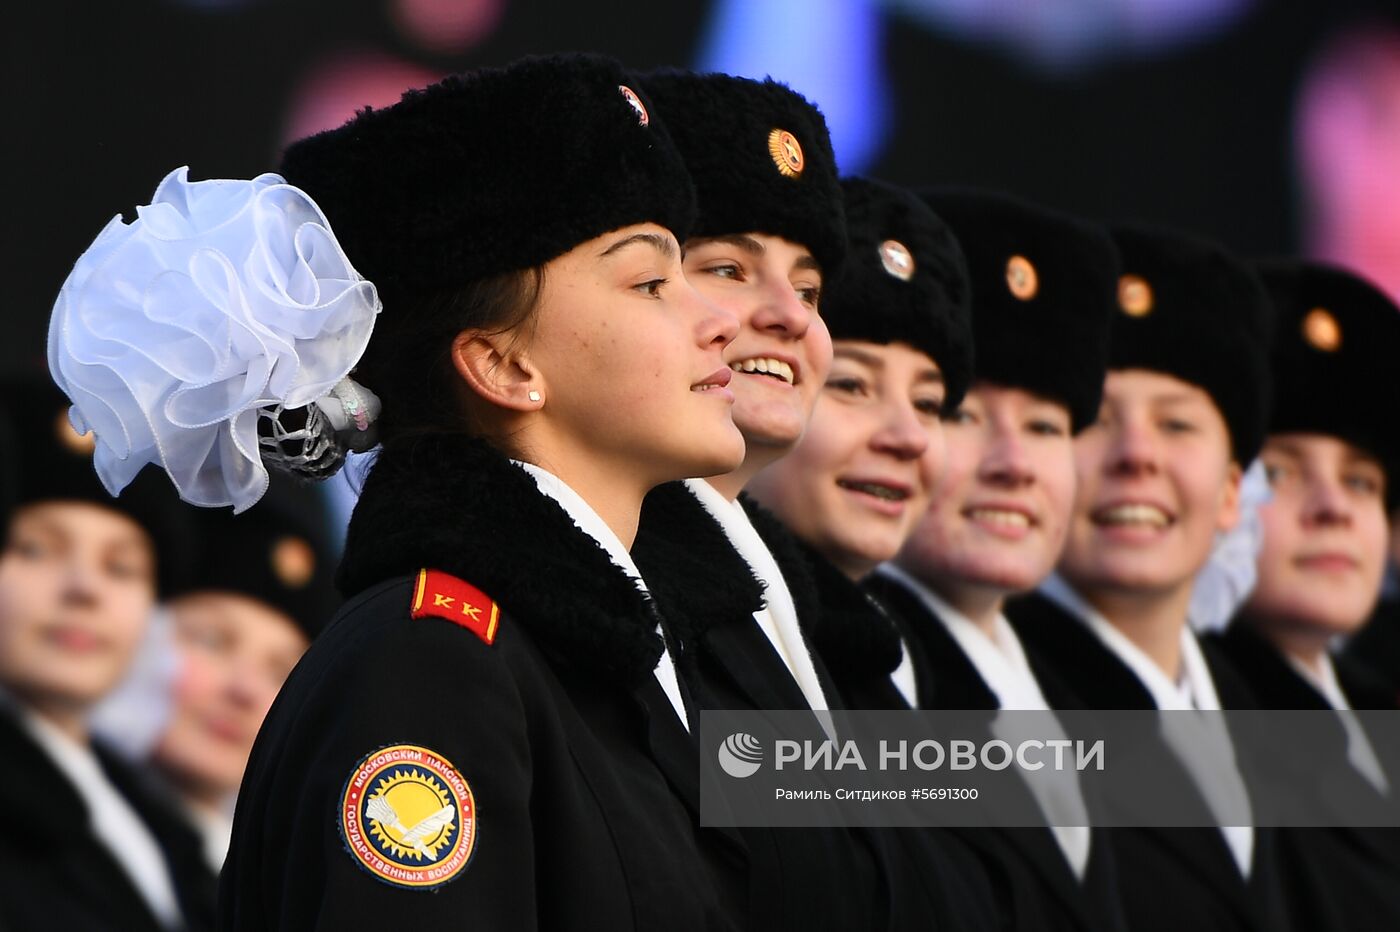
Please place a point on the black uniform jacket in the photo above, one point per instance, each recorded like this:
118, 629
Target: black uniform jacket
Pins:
581, 774
1341, 878
803, 879
1376, 648
56, 874
1037, 886
1169, 878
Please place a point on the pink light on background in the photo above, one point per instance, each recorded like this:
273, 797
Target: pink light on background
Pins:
445, 26
1348, 139
334, 90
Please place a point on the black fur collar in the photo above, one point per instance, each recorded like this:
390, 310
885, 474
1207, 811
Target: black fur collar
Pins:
455, 504
696, 576
852, 632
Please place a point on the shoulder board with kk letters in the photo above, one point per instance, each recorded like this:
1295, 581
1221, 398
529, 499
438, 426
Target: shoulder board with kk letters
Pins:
442, 595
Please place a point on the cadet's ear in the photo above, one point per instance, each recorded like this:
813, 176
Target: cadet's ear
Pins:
496, 367
1230, 500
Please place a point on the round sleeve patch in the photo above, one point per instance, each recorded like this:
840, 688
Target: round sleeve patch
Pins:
408, 817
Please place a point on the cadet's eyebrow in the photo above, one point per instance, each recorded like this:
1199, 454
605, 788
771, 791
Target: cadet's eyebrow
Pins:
873, 360
662, 244
747, 243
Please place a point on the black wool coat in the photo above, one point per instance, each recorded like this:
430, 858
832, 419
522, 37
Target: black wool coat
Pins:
1169, 878
1343, 878
1376, 649
582, 779
1037, 888
56, 874
804, 879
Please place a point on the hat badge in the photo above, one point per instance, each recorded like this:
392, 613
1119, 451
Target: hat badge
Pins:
635, 103
897, 260
1322, 331
293, 561
786, 152
1022, 278
1134, 296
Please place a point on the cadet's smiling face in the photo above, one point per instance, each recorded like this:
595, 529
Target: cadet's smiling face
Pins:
1002, 506
1324, 535
783, 351
235, 654
77, 585
862, 475
632, 359
1155, 483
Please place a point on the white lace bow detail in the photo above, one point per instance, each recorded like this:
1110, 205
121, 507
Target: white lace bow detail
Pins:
174, 332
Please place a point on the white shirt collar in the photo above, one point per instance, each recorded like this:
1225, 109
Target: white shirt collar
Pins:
778, 617
1360, 753
592, 524
1000, 660
1194, 689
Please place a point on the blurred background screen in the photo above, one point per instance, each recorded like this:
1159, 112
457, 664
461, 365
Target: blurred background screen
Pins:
1272, 126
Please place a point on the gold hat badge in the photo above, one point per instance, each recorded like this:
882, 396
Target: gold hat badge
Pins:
1134, 296
635, 103
293, 561
786, 152
897, 259
1321, 329
1021, 278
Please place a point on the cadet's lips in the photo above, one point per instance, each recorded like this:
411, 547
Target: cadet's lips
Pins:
717, 379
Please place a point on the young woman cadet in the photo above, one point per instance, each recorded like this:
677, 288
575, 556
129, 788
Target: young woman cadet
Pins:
1157, 476
1043, 287
486, 734
1333, 459
84, 842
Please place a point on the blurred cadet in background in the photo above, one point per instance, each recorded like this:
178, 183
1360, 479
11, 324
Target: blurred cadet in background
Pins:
1158, 477
84, 842
1043, 285
258, 588
1333, 459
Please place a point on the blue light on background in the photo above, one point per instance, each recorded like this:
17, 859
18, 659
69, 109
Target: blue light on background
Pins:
827, 50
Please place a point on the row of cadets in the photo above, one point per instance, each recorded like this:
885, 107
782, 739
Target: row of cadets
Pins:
254, 591
1158, 476
1042, 292
771, 234
1333, 458
851, 489
85, 841
491, 732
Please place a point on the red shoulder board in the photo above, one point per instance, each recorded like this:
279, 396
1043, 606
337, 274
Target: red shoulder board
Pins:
444, 596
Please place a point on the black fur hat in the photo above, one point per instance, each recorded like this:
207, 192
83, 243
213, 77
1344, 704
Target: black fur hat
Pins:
761, 158
904, 280
493, 171
277, 553
1336, 346
1188, 308
1042, 295
50, 461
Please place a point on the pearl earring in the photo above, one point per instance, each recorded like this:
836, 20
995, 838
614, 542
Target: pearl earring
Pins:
534, 396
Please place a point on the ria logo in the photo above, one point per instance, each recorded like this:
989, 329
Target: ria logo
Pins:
740, 755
